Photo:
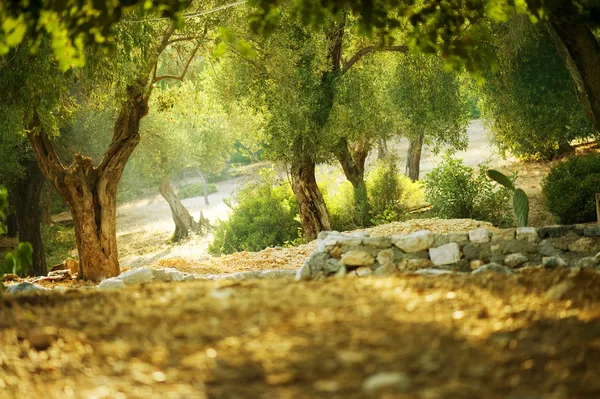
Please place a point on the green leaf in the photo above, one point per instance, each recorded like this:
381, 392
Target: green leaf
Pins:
521, 207
500, 178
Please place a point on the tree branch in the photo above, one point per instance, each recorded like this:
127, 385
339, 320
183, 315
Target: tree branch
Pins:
44, 150
182, 39
371, 49
183, 73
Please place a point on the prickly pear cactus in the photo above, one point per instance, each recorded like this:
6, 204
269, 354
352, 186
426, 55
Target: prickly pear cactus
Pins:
520, 200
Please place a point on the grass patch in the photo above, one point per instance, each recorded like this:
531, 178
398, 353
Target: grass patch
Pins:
196, 190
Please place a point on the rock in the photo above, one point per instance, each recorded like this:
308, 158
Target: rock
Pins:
585, 244
555, 231
70, 264
516, 246
445, 254
359, 248
503, 235
433, 271
378, 242
385, 270
277, 274
493, 268
24, 288
168, 274
475, 264
440, 239
407, 265
357, 258
342, 271
111, 283
588, 262
304, 272
551, 262
385, 257
418, 241
10, 277
546, 248
397, 381
332, 265
558, 291
527, 234
591, 231
479, 235
141, 275
364, 271
514, 260
472, 251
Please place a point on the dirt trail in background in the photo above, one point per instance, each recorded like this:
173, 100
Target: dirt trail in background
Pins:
506, 337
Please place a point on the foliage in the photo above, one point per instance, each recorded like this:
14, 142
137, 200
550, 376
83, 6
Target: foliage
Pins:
72, 24
429, 102
457, 191
531, 104
338, 195
570, 188
19, 260
3, 208
520, 199
264, 214
196, 190
59, 243
391, 194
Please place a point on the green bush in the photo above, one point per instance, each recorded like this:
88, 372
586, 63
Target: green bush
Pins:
458, 191
338, 195
391, 194
196, 190
263, 214
59, 242
570, 187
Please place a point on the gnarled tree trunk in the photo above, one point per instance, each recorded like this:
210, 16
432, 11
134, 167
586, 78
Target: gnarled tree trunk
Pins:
353, 165
28, 191
313, 212
90, 192
580, 53
184, 222
413, 159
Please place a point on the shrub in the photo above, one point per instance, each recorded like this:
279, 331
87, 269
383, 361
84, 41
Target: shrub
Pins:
196, 190
339, 199
391, 194
458, 191
59, 242
570, 187
264, 214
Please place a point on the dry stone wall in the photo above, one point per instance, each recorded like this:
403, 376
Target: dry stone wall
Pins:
476, 251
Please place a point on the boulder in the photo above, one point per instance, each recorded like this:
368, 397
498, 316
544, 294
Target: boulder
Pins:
141, 275
445, 254
480, 235
514, 260
418, 241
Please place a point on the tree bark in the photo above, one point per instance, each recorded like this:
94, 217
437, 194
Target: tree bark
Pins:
413, 159
184, 222
353, 165
90, 192
580, 53
12, 227
28, 211
313, 212
205, 188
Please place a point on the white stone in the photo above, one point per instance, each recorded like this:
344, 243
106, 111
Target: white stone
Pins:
383, 380
111, 283
514, 260
550, 262
364, 271
141, 275
414, 242
480, 235
168, 274
24, 287
527, 233
385, 257
304, 272
445, 254
357, 258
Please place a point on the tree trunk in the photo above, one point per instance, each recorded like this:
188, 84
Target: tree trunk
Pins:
382, 149
580, 53
313, 212
353, 165
413, 159
28, 192
204, 188
184, 222
90, 192
12, 226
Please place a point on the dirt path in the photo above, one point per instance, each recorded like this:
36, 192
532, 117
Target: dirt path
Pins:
428, 337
